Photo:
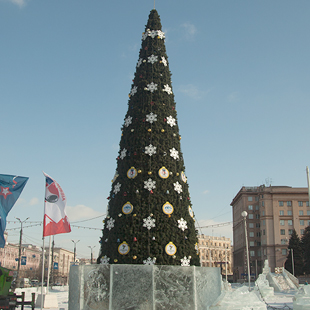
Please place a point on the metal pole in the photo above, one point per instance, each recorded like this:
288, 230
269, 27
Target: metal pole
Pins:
75, 242
293, 268
20, 249
244, 214
226, 263
91, 253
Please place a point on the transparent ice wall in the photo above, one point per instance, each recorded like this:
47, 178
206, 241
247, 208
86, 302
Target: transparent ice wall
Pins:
140, 287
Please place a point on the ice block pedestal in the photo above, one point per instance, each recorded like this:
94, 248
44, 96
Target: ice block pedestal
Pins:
145, 287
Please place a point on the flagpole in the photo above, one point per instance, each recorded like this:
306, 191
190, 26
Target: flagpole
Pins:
42, 279
48, 265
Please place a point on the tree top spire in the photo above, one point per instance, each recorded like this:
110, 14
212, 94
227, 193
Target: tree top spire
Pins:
153, 22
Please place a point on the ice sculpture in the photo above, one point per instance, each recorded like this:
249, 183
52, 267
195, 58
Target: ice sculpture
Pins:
142, 287
262, 284
301, 301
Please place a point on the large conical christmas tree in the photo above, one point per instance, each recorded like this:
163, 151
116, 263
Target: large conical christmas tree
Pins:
150, 218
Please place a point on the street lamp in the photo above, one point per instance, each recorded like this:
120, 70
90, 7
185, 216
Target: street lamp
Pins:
244, 214
91, 253
20, 248
75, 242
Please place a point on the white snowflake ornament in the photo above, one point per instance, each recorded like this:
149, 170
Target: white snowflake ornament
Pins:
149, 184
110, 223
167, 89
182, 224
150, 150
185, 262
139, 62
174, 153
151, 87
149, 223
117, 188
123, 153
152, 59
133, 90
161, 34
128, 121
178, 187
171, 121
151, 118
149, 261
164, 61
104, 260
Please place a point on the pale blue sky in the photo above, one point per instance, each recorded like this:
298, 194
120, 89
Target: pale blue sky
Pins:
240, 75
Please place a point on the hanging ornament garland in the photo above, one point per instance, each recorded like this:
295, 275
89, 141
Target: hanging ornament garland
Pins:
123, 248
163, 172
170, 248
127, 208
132, 173
115, 176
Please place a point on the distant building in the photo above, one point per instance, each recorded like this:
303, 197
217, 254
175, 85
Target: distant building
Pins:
215, 252
273, 213
31, 261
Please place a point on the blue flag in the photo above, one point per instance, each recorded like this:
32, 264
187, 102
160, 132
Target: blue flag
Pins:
10, 188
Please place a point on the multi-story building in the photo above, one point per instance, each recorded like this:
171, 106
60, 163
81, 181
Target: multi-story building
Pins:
31, 261
272, 214
215, 252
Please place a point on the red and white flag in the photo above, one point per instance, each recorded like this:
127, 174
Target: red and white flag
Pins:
55, 217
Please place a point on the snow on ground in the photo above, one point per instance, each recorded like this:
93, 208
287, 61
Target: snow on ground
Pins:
279, 300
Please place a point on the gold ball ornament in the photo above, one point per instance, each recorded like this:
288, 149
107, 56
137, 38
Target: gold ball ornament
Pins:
150, 172
115, 260
180, 138
163, 130
139, 171
177, 174
149, 130
134, 257
135, 215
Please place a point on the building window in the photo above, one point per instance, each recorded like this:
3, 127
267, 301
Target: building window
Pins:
263, 213
264, 222
289, 212
257, 216
251, 225
264, 232
290, 222
256, 198
302, 231
259, 253
301, 222
301, 212
300, 203
256, 207
251, 234
258, 243
290, 231
252, 253
281, 203
308, 222
283, 241
281, 212
283, 251
282, 222
250, 198
257, 225
263, 203
250, 207
251, 243
289, 203
258, 234
308, 212
307, 203
282, 231
250, 216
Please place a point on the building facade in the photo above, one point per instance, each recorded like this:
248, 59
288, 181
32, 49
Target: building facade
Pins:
272, 214
215, 252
